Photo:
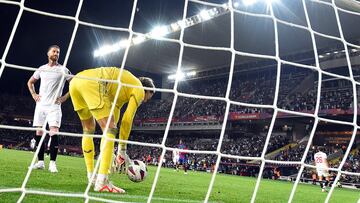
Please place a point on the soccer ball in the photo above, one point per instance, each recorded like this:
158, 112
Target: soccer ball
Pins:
137, 171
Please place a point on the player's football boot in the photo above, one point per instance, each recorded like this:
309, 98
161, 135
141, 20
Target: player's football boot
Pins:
107, 186
52, 167
39, 165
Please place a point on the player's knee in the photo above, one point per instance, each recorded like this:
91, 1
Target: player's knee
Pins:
53, 131
102, 123
112, 131
39, 132
110, 135
89, 131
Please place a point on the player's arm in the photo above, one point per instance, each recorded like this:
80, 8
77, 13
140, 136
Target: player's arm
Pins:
127, 120
63, 98
31, 88
66, 96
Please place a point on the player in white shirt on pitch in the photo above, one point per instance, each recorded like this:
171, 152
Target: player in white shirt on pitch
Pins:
176, 156
322, 168
48, 103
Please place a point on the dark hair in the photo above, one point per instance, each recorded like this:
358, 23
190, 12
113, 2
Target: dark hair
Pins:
320, 148
147, 82
53, 46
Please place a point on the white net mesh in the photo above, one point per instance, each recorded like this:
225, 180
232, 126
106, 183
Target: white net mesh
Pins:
232, 10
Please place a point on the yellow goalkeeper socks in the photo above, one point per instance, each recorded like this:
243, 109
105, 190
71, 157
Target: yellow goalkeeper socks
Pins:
88, 151
108, 150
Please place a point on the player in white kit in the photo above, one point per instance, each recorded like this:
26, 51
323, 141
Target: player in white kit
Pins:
322, 168
176, 156
48, 103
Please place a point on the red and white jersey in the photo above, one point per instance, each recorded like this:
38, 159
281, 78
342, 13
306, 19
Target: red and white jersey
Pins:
320, 159
50, 81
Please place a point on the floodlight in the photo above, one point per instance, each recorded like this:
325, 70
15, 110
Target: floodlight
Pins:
179, 75
159, 31
181, 23
204, 14
121, 44
139, 39
191, 73
106, 50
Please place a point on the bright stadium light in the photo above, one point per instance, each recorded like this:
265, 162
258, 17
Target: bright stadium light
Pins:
139, 39
204, 14
106, 50
191, 73
122, 43
175, 26
179, 75
181, 23
225, 5
159, 31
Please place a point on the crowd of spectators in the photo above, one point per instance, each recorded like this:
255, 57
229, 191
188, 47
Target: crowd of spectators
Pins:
254, 89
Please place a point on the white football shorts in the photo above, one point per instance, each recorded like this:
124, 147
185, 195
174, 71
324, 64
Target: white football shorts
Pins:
52, 113
322, 172
176, 159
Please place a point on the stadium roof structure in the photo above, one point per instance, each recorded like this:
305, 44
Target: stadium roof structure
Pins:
252, 34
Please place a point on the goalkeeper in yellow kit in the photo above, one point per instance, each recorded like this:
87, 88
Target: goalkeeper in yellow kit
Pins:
92, 100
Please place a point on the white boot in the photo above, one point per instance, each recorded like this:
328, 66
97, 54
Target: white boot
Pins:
52, 167
39, 165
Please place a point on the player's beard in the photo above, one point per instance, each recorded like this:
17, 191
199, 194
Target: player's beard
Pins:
54, 58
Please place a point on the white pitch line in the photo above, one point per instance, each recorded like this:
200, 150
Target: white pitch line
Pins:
125, 196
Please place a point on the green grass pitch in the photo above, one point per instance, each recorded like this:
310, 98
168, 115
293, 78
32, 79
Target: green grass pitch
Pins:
172, 186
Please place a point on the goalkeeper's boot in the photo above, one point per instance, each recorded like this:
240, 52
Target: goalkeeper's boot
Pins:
52, 167
107, 186
39, 165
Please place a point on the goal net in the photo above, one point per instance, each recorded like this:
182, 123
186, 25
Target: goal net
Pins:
276, 79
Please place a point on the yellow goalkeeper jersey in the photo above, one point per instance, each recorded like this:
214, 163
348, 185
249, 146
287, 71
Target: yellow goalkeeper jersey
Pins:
98, 96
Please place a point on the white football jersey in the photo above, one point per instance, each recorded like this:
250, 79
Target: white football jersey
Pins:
50, 81
320, 160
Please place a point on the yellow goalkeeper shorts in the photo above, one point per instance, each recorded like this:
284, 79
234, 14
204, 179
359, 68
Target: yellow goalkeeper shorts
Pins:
89, 97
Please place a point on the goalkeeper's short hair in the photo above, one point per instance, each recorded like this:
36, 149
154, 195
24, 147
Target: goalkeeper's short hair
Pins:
147, 82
